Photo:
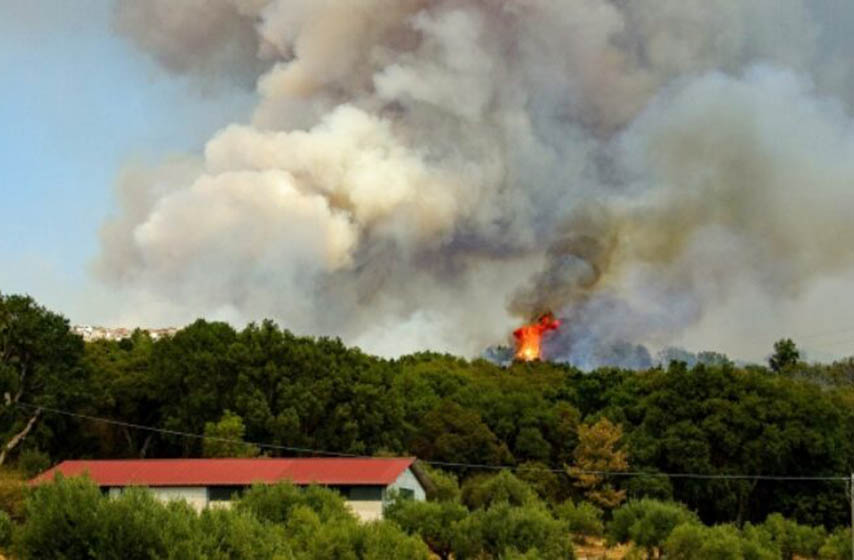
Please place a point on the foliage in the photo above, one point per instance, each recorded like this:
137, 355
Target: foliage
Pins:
274, 503
647, 523
494, 532
12, 489
443, 486
583, 518
837, 546
39, 366
32, 461
785, 355
599, 450
793, 539
5, 530
435, 522
62, 521
721, 542
453, 433
371, 541
483, 491
223, 438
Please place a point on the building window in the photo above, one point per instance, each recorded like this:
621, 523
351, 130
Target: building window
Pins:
360, 493
224, 493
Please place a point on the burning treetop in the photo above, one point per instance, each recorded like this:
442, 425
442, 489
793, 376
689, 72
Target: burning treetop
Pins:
529, 337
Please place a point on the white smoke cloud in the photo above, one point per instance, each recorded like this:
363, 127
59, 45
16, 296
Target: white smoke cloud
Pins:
414, 169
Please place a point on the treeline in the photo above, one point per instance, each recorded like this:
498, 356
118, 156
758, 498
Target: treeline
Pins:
265, 385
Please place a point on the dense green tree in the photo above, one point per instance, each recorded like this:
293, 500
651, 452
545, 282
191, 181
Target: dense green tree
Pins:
793, 539
40, 366
125, 389
435, 522
275, 502
647, 523
785, 355
452, 433
442, 486
837, 546
721, 542
583, 519
370, 541
225, 438
485, 490
62, 521
494, 532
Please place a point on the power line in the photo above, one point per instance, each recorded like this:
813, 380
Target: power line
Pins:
569, 472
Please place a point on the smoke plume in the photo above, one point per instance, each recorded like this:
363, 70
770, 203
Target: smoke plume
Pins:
429, 173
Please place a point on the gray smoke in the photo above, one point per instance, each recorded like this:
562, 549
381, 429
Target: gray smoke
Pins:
427, 174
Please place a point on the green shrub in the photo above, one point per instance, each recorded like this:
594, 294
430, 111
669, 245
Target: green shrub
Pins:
647, 522
274, 502
5, 530
483, 491
434, 522
32, 461
794, 539
443, 486
131, 526
494, 532
837, 546
227, 535
582, 518
62, 520
371, 541
722, 542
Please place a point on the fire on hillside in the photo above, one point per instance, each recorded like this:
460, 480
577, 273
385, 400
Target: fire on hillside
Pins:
529, 337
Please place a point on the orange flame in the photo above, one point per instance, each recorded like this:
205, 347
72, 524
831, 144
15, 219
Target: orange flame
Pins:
529, 337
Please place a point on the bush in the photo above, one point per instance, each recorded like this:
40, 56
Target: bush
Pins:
274, 503
371, 541
61, 520
227, 535
12, 493
443, 487
131, 526
583, 518
32, 461
483, 491
722, 542
5, 530
794, 539
647, 522
837, 546
434, 522
494, 532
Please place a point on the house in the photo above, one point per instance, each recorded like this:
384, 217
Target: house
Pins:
365, 483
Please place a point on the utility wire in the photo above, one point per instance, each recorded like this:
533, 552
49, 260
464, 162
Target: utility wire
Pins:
569, 472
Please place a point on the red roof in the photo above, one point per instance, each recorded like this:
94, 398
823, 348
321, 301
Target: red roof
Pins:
236, 472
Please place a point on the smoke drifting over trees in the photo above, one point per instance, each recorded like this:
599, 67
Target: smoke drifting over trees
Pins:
430, 173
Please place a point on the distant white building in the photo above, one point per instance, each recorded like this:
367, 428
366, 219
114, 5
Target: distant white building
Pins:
365, 483
91, 333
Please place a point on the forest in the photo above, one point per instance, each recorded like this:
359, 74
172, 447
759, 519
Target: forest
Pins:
531, 460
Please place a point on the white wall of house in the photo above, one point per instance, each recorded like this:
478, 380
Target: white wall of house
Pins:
367, 510
408, 481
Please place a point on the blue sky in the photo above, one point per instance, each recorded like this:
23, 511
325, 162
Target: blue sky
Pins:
77, 102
